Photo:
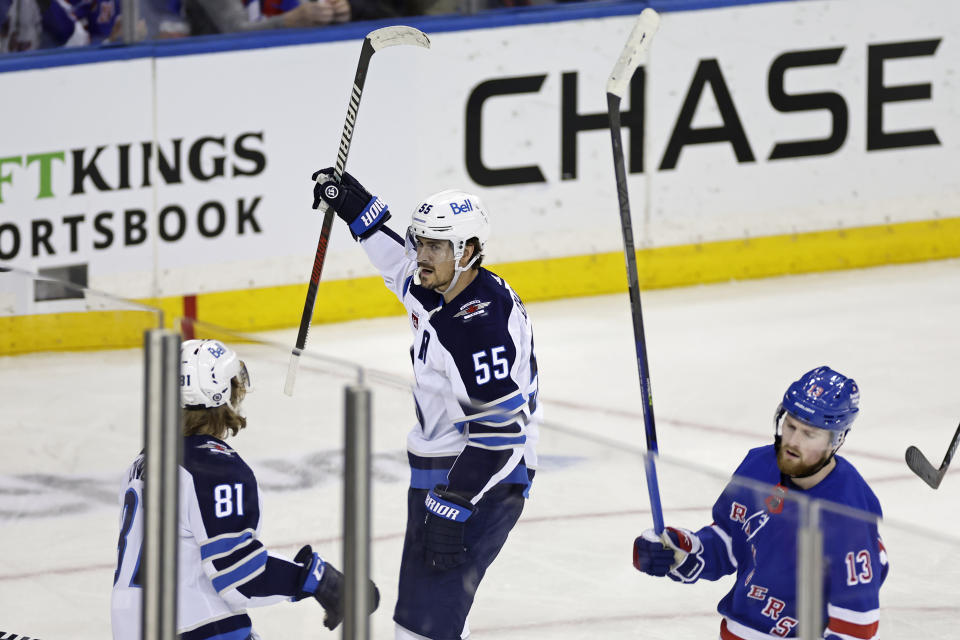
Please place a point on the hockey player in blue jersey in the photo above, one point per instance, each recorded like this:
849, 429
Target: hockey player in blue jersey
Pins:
223, 567
471, 451
754, 533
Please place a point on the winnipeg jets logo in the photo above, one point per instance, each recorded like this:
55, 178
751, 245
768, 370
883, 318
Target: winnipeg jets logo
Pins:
416, 320
472, 309
331, 191
216, 447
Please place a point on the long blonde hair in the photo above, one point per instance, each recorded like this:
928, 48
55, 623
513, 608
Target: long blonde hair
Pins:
217, 421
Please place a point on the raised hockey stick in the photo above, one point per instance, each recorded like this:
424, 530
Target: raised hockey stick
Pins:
630, 58
375, 40
919, 464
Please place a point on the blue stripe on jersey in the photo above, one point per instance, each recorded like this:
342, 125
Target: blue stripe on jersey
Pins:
237, 556
500, 441
477, 430
406, 287
496, 419
239, 634
241, 573
491, 419
429, 478
488, 413
511, 402
224, 544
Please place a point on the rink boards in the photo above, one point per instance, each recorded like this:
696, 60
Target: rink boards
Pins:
761, 139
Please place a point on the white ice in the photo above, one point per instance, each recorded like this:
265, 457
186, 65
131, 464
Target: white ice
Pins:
720, 357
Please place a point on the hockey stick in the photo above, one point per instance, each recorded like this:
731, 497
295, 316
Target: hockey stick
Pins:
919, 464
375, 40
637, 44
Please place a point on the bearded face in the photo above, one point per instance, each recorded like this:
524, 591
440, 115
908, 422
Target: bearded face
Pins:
803, 448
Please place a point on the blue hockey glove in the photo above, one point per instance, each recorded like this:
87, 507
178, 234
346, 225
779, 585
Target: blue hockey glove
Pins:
322, 581
447, 515
677, 554
650, 556
363, 212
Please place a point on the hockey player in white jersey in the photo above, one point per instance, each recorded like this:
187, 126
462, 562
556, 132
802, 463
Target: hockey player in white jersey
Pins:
223, 567
754, 532
471, 452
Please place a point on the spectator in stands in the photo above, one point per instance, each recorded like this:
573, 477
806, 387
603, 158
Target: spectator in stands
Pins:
39, 24
227, 16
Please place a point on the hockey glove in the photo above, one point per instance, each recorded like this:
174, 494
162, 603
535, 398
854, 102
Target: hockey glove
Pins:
363, 212
322, 581
447, 515
677, 554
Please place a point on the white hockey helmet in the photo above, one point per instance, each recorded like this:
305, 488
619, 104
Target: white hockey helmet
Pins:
452, 215
206, 369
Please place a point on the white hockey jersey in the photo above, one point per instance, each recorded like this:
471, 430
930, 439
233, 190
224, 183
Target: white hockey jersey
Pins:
476, 378
223, 568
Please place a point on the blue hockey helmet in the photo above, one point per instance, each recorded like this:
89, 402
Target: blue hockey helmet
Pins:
823, 398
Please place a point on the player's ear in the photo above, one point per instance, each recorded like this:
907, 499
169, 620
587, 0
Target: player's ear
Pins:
468, 251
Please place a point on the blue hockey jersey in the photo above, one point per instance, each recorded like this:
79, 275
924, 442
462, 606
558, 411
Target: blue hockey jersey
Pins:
755, 535
223, 567
476, 377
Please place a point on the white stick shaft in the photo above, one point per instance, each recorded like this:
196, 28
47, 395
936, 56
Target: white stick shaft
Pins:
633, 52
292, 372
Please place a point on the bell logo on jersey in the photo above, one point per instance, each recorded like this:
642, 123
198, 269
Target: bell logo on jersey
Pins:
461, 207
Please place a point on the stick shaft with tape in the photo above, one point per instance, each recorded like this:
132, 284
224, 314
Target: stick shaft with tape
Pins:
630, 58
375, 40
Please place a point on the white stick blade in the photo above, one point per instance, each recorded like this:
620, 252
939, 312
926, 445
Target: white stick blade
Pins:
633, 52
397, 35
292, 372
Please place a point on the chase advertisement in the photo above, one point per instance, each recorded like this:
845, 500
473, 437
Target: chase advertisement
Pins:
192, 174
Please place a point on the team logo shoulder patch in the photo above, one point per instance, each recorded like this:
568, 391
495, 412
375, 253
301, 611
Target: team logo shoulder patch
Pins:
471, 310
217, 447
415, 319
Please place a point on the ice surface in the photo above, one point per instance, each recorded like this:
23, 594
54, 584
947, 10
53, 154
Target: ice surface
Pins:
720, 357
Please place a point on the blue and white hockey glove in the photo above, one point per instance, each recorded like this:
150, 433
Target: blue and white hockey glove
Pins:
363, 212
322, 581
677, 554
447, 515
